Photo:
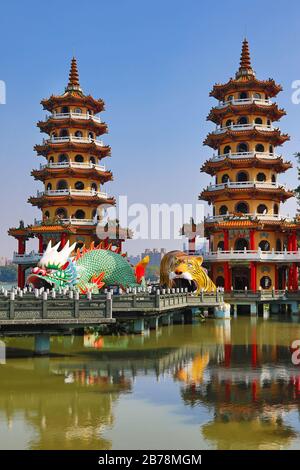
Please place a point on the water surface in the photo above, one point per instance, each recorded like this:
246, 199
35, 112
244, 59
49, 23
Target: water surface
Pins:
214, 385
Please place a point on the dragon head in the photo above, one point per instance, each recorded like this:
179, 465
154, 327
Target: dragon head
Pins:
55, 269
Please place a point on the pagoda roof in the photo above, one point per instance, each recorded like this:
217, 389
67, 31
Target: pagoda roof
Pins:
274, 137
278, 164
90, 200
252, 222
67, 146
51, 124
64, 172
272, 111
280, 193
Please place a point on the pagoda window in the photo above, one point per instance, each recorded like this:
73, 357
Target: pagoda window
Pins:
49, 187
242, 176
276, 209
243, 95
242, 207
65, 110
261, 177
264, 245
265, 282
89, 112
223, 210
241, 244
278, 245
91, 135
258, 120
79, 214
93, 160
220, 245
47, 214
78, 134
242, 147
79, 158
62, 184
61, 213
220, 281
259, 148
243, 120
94, 186
271, 149
51, 160
78, 111
229, 122
262, 209
79, 185
214, 211
227, 149
64, 133
268, 122
225, 178
63, 158
273, 179
257, 96
230, 98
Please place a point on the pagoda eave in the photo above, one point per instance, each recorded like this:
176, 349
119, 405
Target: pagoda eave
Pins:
100, 151
99, 128
266, 86
273, 112
212, 168
45, 200
98, 175
214, 140
73, 99
251, 193
255, 223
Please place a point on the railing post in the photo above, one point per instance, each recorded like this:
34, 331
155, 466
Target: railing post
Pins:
44, 305
202, 295
157, 298
108, 312
134, 299
12, 306
76, 305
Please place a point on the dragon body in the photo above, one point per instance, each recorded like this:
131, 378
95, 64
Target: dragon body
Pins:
89, 270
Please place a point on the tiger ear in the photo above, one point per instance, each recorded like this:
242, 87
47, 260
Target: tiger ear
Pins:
200, 259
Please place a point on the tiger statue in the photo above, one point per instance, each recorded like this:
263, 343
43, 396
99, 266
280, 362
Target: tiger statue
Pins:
177, 269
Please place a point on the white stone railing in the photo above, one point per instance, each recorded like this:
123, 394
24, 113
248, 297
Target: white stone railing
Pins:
72, 192
74, 165
243, 127
245, 184
74, 221
253, 215
253, 255
241, 155
250, 100
73, 115
73, 138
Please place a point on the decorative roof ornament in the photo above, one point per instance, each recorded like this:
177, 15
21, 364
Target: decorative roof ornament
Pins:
73, 84
245, 68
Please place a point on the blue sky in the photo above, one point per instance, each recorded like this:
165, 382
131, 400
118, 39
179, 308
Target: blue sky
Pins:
154, 63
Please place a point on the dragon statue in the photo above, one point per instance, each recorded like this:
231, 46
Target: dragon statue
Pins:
88, 271
178, 269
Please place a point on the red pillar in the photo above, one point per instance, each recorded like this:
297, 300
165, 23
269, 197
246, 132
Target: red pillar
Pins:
21, 276
227, 354
290, 278
294, 241
253, 276
226, 240
21, 245
295, 276
290, 242
63, 239
40, 237
227, 277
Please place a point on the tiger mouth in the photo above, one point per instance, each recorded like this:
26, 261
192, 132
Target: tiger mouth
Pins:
189, 284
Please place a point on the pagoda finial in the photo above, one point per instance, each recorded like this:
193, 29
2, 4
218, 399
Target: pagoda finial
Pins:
245, 61
73, 77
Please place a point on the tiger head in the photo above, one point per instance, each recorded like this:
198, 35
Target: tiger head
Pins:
181, 270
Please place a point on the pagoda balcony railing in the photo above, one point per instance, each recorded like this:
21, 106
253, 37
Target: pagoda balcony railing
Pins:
244, 127
69, 221
253, 255
247, 216
245, 184
74, 165
71, 115
241, 155
72, 192
26, 258
252, 99
73, 138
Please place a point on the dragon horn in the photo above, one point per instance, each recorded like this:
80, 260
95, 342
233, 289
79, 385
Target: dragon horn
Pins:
67, 250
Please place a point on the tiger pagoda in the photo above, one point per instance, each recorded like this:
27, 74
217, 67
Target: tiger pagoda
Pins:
252, 245
73, 175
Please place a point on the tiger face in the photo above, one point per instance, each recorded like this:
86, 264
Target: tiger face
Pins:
181, 270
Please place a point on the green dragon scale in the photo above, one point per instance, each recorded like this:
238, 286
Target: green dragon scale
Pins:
89, 270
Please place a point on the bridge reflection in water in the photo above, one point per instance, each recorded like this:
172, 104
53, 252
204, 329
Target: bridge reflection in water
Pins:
220, 384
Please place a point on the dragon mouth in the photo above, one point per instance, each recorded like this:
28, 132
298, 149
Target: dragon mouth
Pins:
38, 281
181, 282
